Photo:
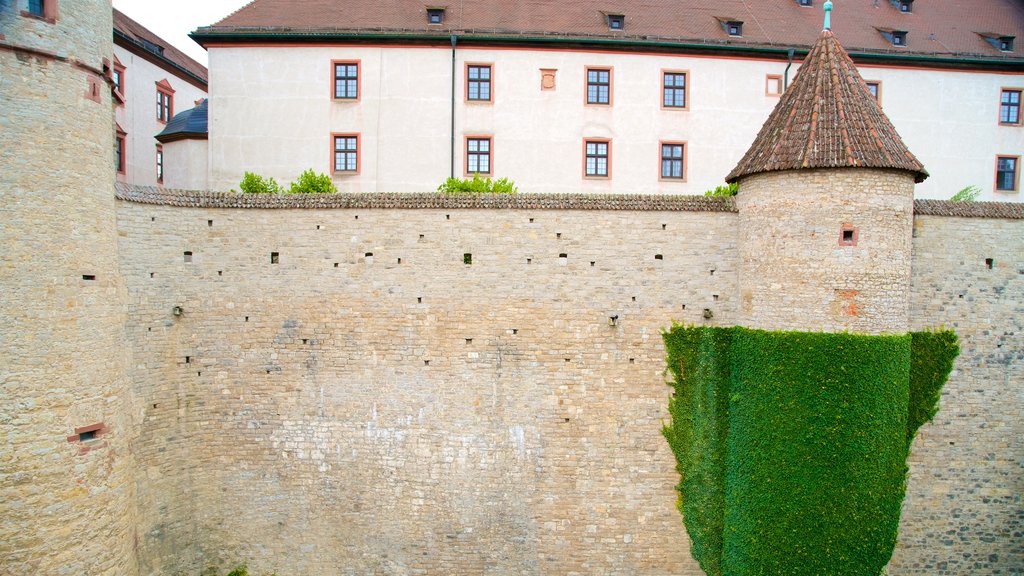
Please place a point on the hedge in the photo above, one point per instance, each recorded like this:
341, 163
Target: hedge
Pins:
792, 446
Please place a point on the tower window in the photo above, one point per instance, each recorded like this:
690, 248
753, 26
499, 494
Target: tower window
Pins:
848, 235
435, 15
734, 28
616, 21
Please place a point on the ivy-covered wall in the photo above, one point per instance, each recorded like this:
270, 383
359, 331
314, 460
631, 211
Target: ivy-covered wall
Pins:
792, 446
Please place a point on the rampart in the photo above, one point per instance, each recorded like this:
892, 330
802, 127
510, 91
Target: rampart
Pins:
419, 384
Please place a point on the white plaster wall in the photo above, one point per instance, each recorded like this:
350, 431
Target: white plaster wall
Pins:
272, 112
138, 115
185, 164
950, 121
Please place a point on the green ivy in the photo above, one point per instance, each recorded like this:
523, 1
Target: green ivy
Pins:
478, 185
792, 446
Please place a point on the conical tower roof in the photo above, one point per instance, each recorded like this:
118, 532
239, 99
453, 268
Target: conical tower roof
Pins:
827, 119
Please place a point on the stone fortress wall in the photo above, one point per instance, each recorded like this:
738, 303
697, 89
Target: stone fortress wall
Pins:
346, 391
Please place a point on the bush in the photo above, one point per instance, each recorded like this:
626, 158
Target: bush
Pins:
967, 194
310, 182
792, 446
256, 184
724, 190
478, 185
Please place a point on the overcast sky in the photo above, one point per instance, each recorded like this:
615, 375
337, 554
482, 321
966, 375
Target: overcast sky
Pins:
172, 21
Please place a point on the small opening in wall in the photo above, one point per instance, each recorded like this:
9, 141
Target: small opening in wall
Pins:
155, 405
305, 340
220, 272
93, 276
188, 256
246, 318
209, 223
357, 216
421, 237
515, 331
152, 218
989, 263
961, 296
426, 362
447, 216
634, 298
368, 255
714, 296
199, 373
592, 262
274, 258
567, 359
684, 306
712, 272
659, 257
558, 235
566, 419
335, 264
663, 226
317, 226
149, 329
529, 260
87, 436
467, 258
399, 260
152, 274
419, 300
632, 360
188, 359
847, 235
469, 340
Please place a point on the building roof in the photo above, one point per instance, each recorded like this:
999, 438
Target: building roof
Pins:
135, 37
188, 124
827, 119
959, 30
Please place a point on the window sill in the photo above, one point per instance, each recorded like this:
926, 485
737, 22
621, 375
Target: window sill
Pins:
28, 14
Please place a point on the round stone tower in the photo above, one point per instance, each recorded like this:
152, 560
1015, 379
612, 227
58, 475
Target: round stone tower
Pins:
826, 207
65, 471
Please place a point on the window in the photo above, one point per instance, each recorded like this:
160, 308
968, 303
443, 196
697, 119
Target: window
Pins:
1006, 173
45, 10
120, 162
673, 89
160, 164
597, 154
616, 21
875, 88
346, 153
773, 85
478, 155
164, 101
1006, 43
435, 15
899, 38
806, 2
118, 78
1009, 107
906, 6
599, 86
734, 28
672, 164
346, 80
478, 82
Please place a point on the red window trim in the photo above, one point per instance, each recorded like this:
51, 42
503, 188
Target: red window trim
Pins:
164, 87
607, 141
611, 86
847, 227
122, 142
49, 12
1020, 109
359, 153
490, 155
686, 88
1016, 175
160, 163
359, 83
465, 92
686, 164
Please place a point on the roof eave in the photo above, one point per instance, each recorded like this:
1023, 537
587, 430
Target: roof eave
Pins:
135, 47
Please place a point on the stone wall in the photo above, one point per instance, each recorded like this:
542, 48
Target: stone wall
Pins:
408, 413
66, 490
796, 270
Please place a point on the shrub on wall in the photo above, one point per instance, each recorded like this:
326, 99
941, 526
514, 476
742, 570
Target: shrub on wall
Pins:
724, 190
478, 185
807, 457
255, 184
310, 182
967, 194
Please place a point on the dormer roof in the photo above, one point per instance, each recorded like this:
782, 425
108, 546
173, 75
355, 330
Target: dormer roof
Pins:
827, 119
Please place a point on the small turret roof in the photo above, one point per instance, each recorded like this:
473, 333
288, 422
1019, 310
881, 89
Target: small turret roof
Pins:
188, 124
827, 119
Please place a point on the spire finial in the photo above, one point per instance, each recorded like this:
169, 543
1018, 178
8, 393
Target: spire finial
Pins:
828, 14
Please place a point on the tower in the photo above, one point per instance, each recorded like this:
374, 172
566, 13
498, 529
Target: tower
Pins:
825, 207
65, 474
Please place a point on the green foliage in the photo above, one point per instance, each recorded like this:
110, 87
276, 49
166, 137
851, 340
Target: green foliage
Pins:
478, 185
255, 184
967, 194
240, 571
792, 446
724, 190
931, 360
310, 182
700, 363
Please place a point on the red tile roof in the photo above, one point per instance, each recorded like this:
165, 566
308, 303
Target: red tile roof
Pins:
827, 119
131, 34
951, 28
